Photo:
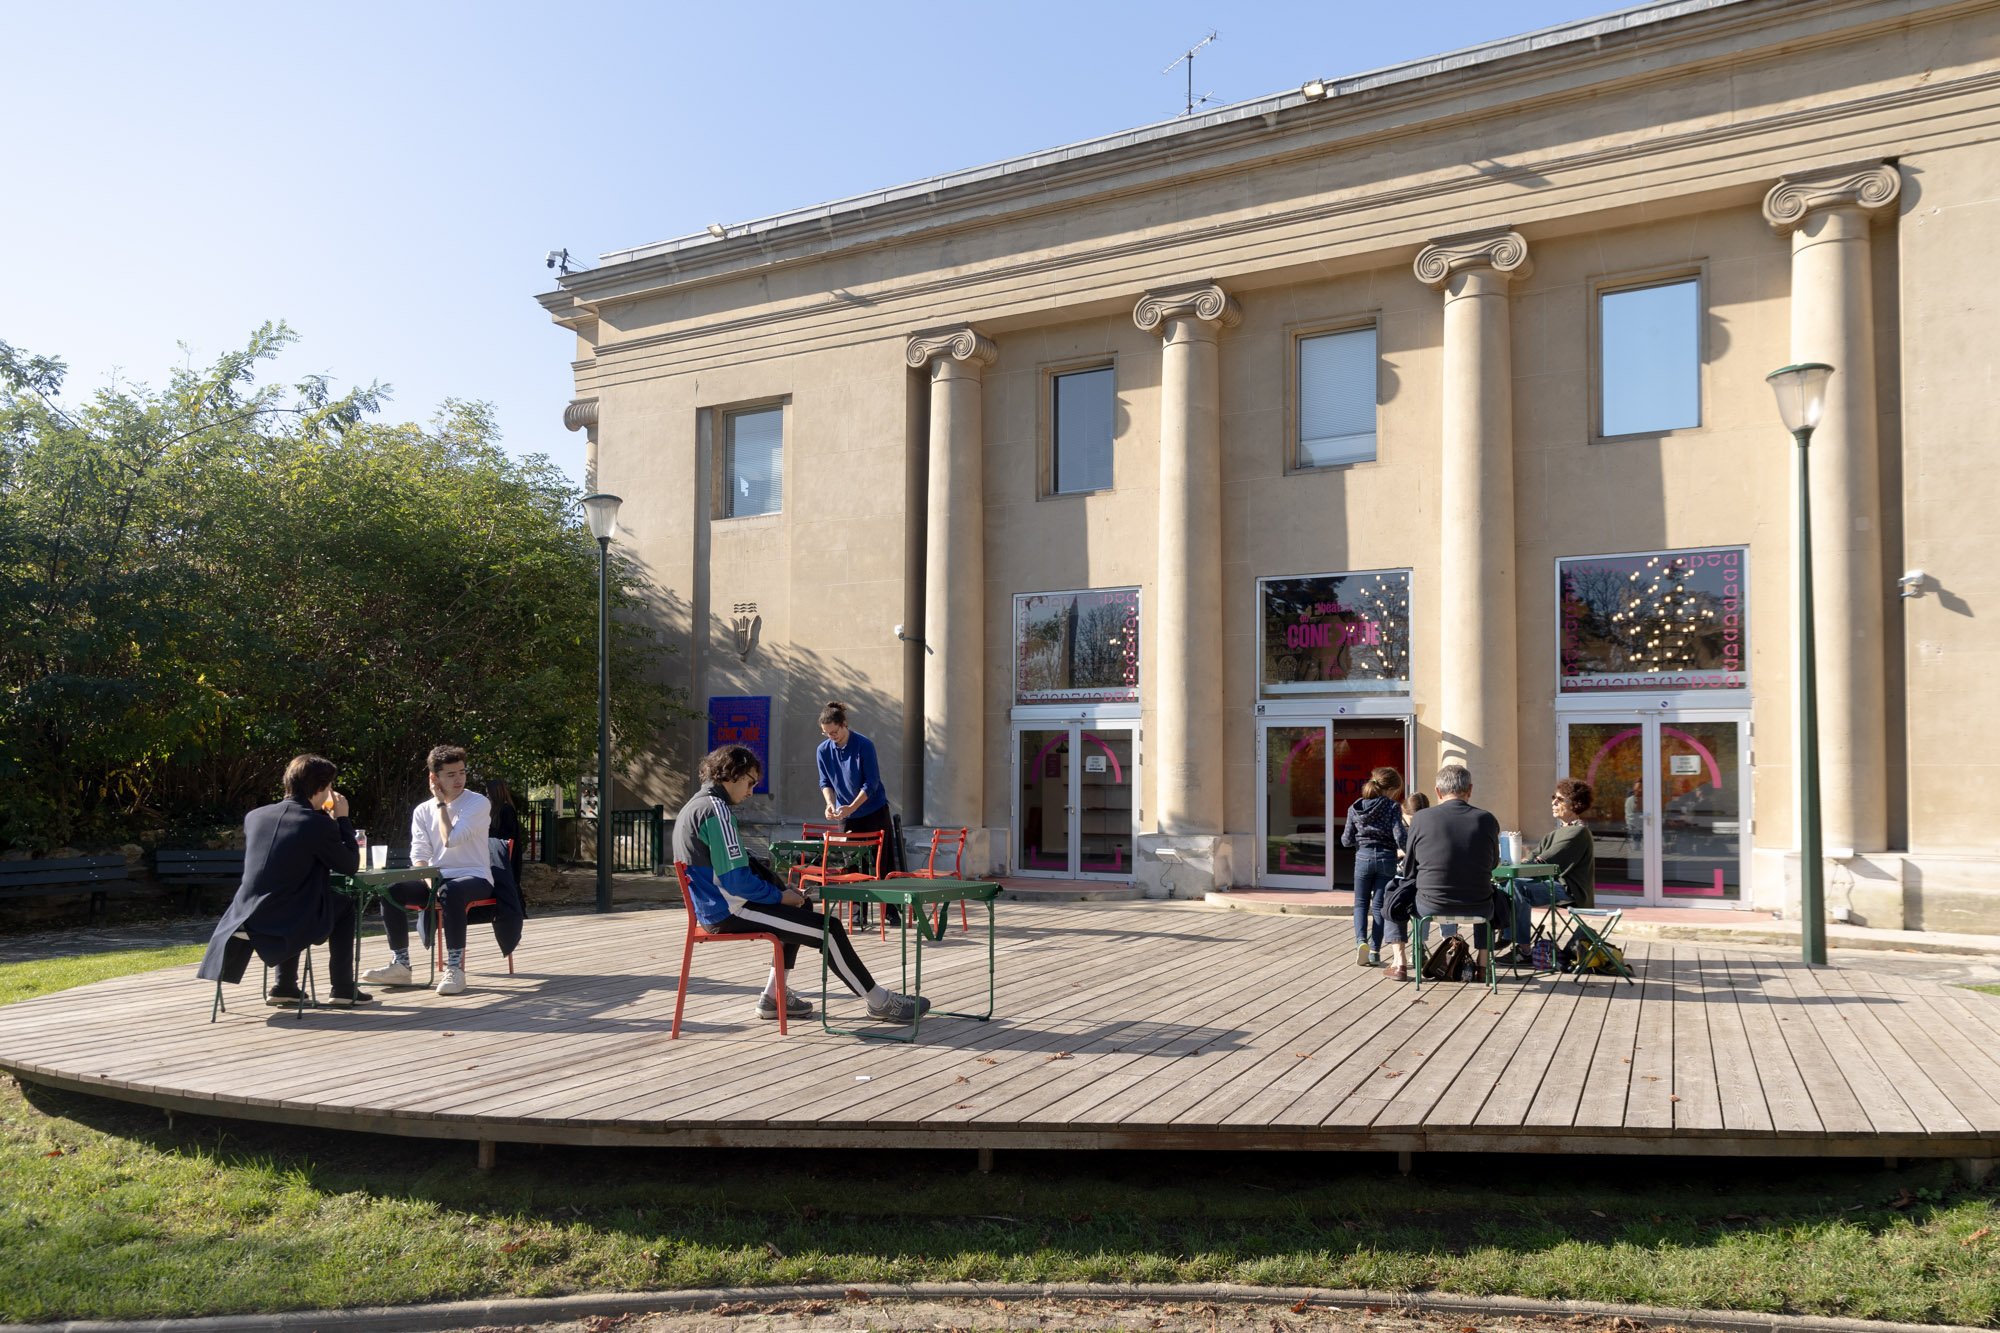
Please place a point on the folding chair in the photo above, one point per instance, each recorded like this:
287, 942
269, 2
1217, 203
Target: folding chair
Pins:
696, 935
824, 874
940, 840
1421, 927
478, 902
809, 833
1577, 930
308, 993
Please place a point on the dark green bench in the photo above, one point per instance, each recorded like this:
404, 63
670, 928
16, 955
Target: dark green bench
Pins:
72, 874
193, 871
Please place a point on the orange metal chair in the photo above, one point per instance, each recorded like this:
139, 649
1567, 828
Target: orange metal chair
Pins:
808, 833
942, 839
696, 935
824, 874
438, 939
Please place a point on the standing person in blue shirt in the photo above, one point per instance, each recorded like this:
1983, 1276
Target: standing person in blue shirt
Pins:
1375, 829
851, 781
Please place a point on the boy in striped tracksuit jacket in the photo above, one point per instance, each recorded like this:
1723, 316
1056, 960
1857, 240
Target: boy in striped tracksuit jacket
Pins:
735, 895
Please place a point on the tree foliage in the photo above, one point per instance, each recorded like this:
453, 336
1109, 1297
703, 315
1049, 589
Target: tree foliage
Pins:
201, 581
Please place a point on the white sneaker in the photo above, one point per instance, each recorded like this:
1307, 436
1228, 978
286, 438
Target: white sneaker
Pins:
451, 981
395, 974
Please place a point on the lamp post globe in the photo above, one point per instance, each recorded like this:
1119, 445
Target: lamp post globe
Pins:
601, 511
1801, 392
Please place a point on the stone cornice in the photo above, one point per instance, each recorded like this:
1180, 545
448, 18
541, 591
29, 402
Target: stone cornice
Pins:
1501, 249
1869, 186
963, 343
1203, 300
581, 413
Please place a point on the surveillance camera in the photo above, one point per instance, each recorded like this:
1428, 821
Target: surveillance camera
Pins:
899, 631
550, 258
1912, 583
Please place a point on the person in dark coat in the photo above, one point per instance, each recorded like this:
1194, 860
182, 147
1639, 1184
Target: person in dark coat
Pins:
286, 902
506, 826
1453, 849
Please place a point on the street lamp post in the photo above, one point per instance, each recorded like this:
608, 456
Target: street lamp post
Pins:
602, 511
1801, 391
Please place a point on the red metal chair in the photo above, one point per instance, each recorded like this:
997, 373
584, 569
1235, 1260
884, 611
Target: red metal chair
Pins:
941, 839
824, 873
808, 833
438, 938
696, 935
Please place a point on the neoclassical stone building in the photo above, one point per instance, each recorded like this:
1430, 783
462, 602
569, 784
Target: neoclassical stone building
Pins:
1142, 495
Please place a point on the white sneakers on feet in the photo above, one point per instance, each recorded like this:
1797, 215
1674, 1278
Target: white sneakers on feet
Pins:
451, 981
395, 974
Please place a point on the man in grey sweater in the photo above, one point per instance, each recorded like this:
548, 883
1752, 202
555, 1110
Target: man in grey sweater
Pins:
1454, 846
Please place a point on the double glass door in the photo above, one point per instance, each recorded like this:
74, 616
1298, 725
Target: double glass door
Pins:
1312, 771
1074, 786
1670, 809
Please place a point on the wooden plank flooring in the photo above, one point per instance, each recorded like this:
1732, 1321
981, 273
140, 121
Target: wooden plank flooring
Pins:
1118, 1025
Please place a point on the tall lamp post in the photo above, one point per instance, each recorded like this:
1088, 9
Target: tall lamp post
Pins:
603, 514
1801, 391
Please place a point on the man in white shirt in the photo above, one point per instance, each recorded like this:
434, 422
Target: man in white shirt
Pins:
449, 832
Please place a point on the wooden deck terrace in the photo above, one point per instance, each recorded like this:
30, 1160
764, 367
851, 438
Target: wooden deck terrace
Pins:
1118, 1026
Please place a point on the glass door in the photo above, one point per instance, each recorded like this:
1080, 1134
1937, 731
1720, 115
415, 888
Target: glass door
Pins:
1670, 809
1313, 770
1294, 761
1073, 800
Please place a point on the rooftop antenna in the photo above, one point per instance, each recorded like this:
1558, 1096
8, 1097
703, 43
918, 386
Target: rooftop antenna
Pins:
1188, 56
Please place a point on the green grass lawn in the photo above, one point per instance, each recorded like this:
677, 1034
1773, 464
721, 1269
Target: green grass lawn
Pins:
107, 1212
1985, 990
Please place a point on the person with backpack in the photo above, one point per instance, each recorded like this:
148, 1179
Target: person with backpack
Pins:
1453, 849
1376, 831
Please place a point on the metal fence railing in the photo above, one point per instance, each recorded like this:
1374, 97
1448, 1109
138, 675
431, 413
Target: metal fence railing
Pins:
639, 840
538, 829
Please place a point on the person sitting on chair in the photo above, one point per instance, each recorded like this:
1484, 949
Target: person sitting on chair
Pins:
735, 894
285, 902
1570, 849
1448, 869
449, 832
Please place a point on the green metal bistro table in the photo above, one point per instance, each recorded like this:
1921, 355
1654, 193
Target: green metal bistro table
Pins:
916, 897
365, 886
799, 851
1506, 878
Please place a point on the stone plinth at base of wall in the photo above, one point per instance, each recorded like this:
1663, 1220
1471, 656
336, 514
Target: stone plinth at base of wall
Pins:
1184, 865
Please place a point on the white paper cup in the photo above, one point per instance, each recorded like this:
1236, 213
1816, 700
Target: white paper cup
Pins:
378, 857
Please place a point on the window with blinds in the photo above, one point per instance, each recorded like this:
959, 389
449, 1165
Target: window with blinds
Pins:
756, 462
1337, 398
1080, 454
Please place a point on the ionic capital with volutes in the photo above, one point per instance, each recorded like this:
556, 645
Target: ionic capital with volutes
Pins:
1204, 301
962, 343
1501, 249
1871, 187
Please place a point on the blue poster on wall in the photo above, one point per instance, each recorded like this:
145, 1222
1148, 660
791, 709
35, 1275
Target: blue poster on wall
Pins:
743, 720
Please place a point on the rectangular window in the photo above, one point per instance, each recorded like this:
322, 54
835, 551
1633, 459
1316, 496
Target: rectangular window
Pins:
1336, 633
1337, 398
755, 462
1077, 647
1080, 454
1649, 358
1669, 620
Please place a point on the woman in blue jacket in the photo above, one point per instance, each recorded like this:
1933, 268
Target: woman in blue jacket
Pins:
1376, 831
850, 780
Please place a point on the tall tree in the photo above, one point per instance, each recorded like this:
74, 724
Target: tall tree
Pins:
201, 581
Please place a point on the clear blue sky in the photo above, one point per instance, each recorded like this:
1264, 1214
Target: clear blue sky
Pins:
388, 177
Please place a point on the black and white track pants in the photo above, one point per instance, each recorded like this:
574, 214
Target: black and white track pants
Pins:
798, 926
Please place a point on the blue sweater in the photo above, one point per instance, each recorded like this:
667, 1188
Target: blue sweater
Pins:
851, 771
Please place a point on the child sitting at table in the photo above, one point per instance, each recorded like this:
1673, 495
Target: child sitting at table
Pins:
734, 894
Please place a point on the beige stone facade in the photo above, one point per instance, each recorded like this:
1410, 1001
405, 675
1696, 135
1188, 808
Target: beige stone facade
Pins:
1826, 175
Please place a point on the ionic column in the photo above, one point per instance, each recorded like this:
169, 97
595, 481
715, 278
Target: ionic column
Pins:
1478, 699
1186, 671
581, 414
1828, 215
954, 630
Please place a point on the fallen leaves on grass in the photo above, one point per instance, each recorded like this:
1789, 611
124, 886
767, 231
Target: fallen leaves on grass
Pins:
1903, 1199
1976, 1237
